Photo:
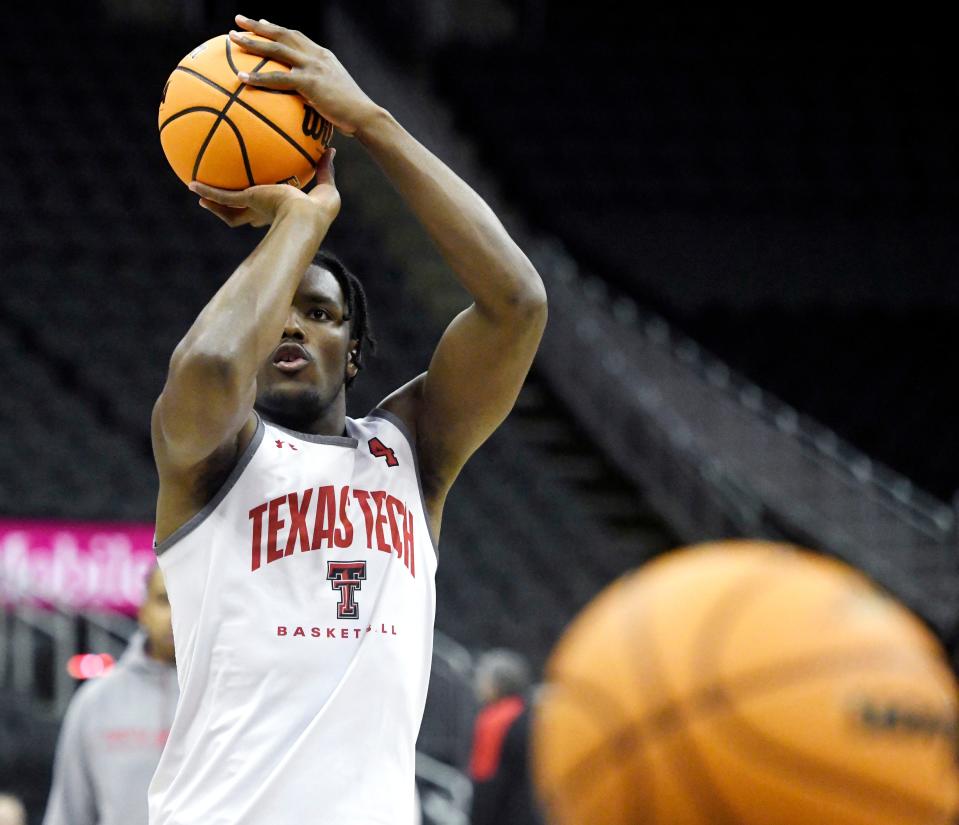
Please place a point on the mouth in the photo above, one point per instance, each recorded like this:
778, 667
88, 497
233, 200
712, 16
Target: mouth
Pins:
290, 358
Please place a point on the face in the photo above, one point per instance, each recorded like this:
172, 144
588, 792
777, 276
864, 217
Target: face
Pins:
307, 371
155, 618
11, 811
485, 685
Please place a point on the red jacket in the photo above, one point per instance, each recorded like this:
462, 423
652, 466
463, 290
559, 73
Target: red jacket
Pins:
492, 723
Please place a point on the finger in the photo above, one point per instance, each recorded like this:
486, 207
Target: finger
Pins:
272, 80
230, 216
227, 197
267, 48
265, 28
229, 220
324, 167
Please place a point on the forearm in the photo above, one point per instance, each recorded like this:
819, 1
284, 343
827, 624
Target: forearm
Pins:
468, 234
244, 320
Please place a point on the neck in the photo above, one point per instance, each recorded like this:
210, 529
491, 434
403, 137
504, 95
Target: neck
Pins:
331, 420
152, 654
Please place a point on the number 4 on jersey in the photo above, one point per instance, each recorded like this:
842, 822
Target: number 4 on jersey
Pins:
380, 450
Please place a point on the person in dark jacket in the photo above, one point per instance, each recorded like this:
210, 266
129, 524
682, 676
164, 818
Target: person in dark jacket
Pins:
115, 728
502, 790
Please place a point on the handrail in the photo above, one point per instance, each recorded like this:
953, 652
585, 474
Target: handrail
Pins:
720, 457
33, 635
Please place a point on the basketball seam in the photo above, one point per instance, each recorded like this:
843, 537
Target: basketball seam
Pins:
236, 131
689, 770
235, 94
229, 60
211, 109
762, 681
618, 738
717, 695
719, 619
250, 109
829, 777
229, 57
639, 753
243, 152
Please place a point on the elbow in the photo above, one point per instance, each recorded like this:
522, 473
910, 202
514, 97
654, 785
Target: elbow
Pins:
530, 302
521, 300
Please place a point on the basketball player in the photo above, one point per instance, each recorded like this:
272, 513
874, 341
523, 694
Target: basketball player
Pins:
298, 545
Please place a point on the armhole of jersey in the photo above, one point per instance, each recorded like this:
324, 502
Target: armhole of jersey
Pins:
398, 422
196, 520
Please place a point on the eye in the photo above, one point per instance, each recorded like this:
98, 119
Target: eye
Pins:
319, 314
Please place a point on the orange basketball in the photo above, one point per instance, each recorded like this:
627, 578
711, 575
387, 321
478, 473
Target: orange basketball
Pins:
219, 131
746, 683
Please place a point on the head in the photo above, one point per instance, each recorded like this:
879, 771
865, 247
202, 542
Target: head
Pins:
12, 811
500, 673
156, 620
321, 349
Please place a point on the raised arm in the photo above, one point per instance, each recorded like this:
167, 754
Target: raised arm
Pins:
483, 357
485, 353
211, 383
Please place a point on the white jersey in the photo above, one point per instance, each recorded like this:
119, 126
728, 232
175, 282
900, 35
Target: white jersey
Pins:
303, 607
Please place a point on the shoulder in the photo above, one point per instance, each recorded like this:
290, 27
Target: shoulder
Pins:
86, 703
404, 407
185, 492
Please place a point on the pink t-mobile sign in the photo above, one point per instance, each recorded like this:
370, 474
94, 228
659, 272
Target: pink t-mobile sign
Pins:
75, 565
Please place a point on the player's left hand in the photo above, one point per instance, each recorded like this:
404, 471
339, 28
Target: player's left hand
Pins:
262, 205
315, 73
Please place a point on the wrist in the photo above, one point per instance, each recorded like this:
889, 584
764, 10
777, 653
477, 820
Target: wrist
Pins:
375, 120
307, 210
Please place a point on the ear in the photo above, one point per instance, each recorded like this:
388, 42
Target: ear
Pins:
351, 366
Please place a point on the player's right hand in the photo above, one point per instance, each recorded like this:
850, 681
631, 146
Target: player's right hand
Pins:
262, 205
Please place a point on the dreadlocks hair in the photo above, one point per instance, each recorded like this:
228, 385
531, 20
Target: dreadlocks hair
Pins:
356, 307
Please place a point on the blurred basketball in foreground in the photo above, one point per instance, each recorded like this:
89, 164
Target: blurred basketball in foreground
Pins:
744, 683
224, 133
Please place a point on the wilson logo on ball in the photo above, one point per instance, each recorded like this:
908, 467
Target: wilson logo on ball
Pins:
313, 124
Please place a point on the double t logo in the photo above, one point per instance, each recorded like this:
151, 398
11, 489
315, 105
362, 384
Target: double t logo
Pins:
347, 577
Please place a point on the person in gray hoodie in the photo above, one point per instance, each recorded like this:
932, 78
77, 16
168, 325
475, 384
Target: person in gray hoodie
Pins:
115, 728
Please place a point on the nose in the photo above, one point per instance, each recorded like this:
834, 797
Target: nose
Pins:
292, 328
